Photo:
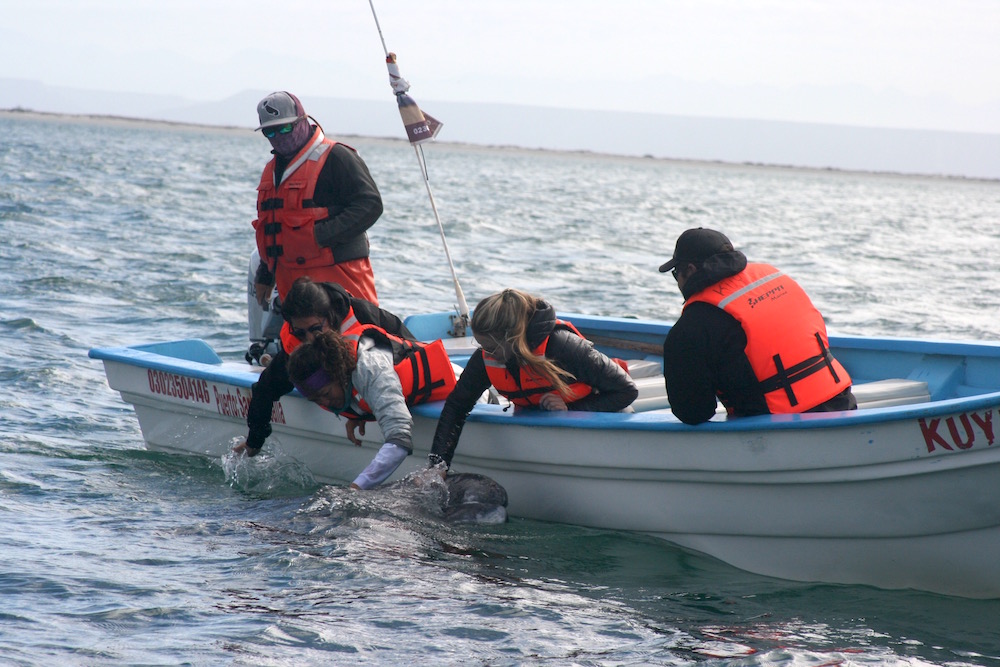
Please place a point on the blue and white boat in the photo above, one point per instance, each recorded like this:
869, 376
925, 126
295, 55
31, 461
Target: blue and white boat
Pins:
902, 493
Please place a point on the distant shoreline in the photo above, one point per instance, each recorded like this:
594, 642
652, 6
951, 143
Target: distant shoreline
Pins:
107, 119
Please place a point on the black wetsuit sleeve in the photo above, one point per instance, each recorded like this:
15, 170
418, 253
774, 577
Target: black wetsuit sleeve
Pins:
703, 358
272, 384
394, 325
470, 386
368, 313
613, 388
346, 188
687, 373
263, 276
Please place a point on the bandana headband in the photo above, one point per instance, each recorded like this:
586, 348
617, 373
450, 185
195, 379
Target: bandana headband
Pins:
312, 384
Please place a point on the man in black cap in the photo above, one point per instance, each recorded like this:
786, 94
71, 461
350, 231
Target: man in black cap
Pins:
748, 335
315, 201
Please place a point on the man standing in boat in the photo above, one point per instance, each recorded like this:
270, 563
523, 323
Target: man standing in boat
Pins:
748, 335
315, 201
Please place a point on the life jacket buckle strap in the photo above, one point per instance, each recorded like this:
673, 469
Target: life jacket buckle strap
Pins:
784, 381
827, 358
786, 377
421, 369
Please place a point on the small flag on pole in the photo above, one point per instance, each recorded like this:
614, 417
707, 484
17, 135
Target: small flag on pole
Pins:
420, 126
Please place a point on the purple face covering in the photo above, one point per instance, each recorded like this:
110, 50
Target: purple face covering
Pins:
314, 383
287, 145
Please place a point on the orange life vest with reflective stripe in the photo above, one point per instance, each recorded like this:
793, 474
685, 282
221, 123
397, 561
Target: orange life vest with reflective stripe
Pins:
289, 341
528, 387
286, 215
787, 345
424, 369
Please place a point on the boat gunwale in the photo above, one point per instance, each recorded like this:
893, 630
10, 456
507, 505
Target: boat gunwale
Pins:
653, 420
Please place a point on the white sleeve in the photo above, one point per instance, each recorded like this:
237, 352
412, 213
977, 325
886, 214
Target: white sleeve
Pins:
384, 464
376, 380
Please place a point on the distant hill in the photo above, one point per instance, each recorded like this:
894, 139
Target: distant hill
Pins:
970, 155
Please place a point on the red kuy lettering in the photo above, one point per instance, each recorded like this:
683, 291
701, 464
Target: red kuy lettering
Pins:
986, 423
953, 429
931, 435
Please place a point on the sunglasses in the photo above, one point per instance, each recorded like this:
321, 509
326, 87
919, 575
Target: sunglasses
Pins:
301, 334
270, 132
677, 267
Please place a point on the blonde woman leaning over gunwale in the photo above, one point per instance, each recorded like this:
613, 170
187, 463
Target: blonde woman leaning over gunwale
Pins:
535, 360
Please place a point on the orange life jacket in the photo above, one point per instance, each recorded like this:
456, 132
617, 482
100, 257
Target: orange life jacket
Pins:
787, 345
290, 341
424, 369
286, 216
528, 387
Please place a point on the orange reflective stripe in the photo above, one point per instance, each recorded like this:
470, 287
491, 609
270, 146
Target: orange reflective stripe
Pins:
350, 321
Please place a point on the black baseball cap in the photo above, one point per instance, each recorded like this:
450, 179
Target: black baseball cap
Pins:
697, 245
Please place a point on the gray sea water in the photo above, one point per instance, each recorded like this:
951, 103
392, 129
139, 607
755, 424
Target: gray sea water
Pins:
117, 233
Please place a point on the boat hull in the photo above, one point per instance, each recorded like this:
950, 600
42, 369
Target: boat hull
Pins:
895, 497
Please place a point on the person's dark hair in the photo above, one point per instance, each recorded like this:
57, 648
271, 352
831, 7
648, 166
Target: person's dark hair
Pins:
305, 299
328, 351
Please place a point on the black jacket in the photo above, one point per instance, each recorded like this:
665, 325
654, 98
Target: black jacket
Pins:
613, 389
346, 188
704, 355
273, 382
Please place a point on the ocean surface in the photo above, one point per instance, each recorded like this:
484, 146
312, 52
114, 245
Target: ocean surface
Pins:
116, 233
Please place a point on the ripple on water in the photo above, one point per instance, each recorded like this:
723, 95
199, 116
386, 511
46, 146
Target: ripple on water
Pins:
116, 555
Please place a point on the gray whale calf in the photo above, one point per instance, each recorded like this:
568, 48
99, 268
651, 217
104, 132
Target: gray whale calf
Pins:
473, 498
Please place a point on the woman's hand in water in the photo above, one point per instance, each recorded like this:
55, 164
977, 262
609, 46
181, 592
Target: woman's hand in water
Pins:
358, 424
242, 448
428, 476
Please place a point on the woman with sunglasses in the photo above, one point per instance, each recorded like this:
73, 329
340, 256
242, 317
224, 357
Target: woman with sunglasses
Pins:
367, 374
309, 309
315, 201
536, 361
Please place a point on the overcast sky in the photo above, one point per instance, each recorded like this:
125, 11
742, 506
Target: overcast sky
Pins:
898, 63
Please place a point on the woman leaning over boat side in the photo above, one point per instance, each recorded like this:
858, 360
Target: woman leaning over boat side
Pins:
309, 309
536, 361
368, 374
